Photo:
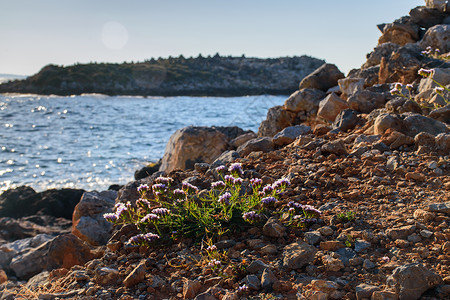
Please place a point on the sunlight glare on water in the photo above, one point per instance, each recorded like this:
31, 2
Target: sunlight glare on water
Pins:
93, 141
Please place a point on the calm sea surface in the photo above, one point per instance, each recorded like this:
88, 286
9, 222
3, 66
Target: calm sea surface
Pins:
93, 141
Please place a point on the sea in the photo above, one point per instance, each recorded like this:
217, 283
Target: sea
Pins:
93, 141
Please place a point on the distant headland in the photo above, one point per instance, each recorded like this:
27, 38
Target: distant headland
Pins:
174, 76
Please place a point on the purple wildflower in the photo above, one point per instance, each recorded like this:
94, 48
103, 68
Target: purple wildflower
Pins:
143, 188
281, 184
164, 180
268, 201
110, 217
159, 187
291, 210
251, 217
120, 209
211, 248
229, 180
218, 185
220, 169
225, 199
426, 72
179, 194
143, 202
256, 182
394, 91
294, 205
149, 217
237, 181
439, 89
409, 86
236, 169
214, 263
189, 188
161, 211
267, 190
143, 238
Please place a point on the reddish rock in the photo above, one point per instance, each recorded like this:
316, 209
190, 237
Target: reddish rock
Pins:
68, 250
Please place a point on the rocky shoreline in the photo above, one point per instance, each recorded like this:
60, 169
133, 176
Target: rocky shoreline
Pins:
370, 151
179, 76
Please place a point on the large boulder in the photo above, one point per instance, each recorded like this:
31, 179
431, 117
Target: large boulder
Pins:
67, 250
24, 201
437, 37
412, 280
350, 85
427, 17
330, 107
366, 101
88, 221
417, 123
323, 78
400, 32
191, 145
277, 119
384, 50
304, 100
441, 75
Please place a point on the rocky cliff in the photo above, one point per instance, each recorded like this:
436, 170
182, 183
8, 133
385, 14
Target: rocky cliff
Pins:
200, 76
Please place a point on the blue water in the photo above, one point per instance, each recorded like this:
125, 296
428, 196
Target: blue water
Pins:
93, 141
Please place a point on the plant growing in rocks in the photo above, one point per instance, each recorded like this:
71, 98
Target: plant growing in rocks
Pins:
164, 212
347, 216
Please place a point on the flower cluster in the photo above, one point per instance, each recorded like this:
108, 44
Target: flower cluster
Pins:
220, 169
218, 185
122, 213
252, 217
211, 248
214, 263
161, 211
426, 72
143, 239
149, 217
164, 180
179, 194
268, 201
189, 188
236, 169
225, 199
256, 182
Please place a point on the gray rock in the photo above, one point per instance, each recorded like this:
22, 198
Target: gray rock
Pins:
412, 280
384, 50
268, 279
225, 158
441, 114
366, 101
289, 134
440, 207
242, 139
273, 229
346, 120
400, 232
361, 246
437, 37
257, 267
364, 290
345, 254
306, 100
252, 282
297, 255
30, 263
277, 119
330, 107
349, 86
88, 221
225, 244
10, 250
368, 264
443, 142
263, 144
417, 123
323, 78
313, 237
334, 147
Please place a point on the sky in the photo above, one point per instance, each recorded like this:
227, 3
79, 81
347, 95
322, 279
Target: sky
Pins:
36, 33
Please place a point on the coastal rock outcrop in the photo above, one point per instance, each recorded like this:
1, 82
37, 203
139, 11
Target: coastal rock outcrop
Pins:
88, 222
